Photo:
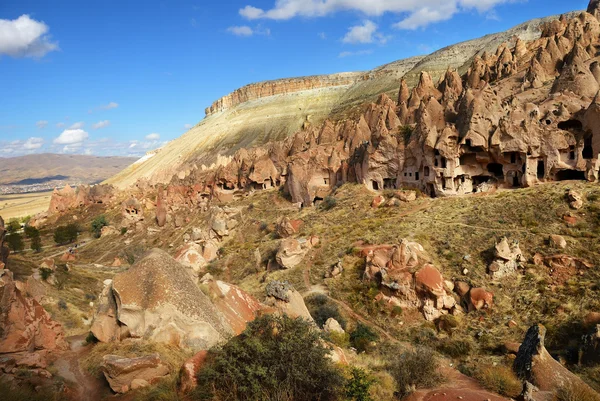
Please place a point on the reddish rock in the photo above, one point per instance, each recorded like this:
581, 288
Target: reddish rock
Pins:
125, 374
462, 288
430, 280
189, 372
286, 227
237, 306
377, 201
481, 299
68, 257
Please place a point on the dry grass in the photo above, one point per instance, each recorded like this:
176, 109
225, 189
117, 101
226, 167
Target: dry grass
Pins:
21, 205
500, 379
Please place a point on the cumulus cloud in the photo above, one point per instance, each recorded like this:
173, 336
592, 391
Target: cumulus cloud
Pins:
247, 31
77, 125
33, 143
153, 137
41, 124
71, 137
414, 13
111, 105
25, 37
365, 33
101, 124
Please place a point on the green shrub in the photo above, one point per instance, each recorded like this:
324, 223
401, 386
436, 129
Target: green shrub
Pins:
66, 234
322, 308
36, 243
13, 226
123, 230
62, 305
362, 337
31, 232
45, 273
274, 358
358, 386
455, 348
329, 203
97, 224
15, 242
415, 369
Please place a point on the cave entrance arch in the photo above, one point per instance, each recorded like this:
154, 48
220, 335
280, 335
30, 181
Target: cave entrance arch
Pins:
570, 175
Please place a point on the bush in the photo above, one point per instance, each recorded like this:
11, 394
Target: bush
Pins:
415, 369
322, 308
501, 380
456, 348
45, 273
62, 305
358, 386
274, 358
97, 225
123, 230
362, 337
329, 203
66, 234
31, 232
13, 226
15, 242
571, 392
36, 243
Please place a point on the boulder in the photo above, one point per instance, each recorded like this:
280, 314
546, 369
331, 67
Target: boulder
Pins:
237, 306
107, 231
286, 300
124, 374
508, 258
332, 326
290, 253
406, 196
26, 326
105, 325
157, 299
575, 199
3, 248
378, 201
189, 372
428, 279
286, 227
557, 241
190, 255
161, 209
480, 299
535, 365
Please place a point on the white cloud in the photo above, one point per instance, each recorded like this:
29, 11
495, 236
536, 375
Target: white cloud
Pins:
111, 105
188, 126
358, 53
414, 13
365, 33
241, 30
71, 137
60, 125
153, 137
101, 124
77, 125
41, 124
25, 37
33, 143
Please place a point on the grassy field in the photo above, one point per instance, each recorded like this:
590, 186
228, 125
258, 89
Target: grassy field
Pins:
20, 205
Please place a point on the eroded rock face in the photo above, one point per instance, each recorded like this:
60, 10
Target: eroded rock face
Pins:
286, 227
509, 258
157, 299
132, 211
286, 300
124, 374
84, 195
26, 326
291, 252
237, 306
536, 365
3, 248
191, 256
189, 372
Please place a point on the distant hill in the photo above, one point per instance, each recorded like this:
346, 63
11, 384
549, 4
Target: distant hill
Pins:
49, 169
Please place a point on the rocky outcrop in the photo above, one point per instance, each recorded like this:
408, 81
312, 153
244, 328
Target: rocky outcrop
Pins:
132, 211
26, 326
125, 374
286, 227
84, 195
508, 259
535, 365
3, 248
291, 252
286, 300
157, 299
281, 87
189, 372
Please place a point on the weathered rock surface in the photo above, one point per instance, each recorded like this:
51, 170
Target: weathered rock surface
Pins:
237, 306
291, 252
189, 372
124, 374
26, 326
157, 299
286, 300
509, 258
3, 248
286, 227
535, 365
68, 198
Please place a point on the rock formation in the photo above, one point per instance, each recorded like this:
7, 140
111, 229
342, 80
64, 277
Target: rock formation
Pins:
84, 195
26, 326
286, 300
124, 374
535, 365
508, 259
3, 248
156, 299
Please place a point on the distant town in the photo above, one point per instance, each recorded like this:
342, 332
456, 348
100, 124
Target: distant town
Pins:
31, 188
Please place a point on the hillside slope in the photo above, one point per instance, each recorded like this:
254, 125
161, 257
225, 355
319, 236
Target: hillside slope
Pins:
230, 126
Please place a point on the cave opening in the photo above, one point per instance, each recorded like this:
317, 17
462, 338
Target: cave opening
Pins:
375, 185
317, 201
478, 180
571, 152
541, 169
570, 175
389, 183
588, 150
417, 176
571, 125
496, 169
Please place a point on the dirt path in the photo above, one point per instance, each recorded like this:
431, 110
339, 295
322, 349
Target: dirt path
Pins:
85, 388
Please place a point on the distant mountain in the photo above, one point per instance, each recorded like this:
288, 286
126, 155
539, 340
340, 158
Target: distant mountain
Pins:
49, 169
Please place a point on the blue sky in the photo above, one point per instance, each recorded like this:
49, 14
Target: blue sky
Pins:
122, 77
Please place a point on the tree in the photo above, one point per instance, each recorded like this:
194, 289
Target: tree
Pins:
274, 358
13, 226
66, 234
31, 232
36, 243
15, 242
72, 231
97, 225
